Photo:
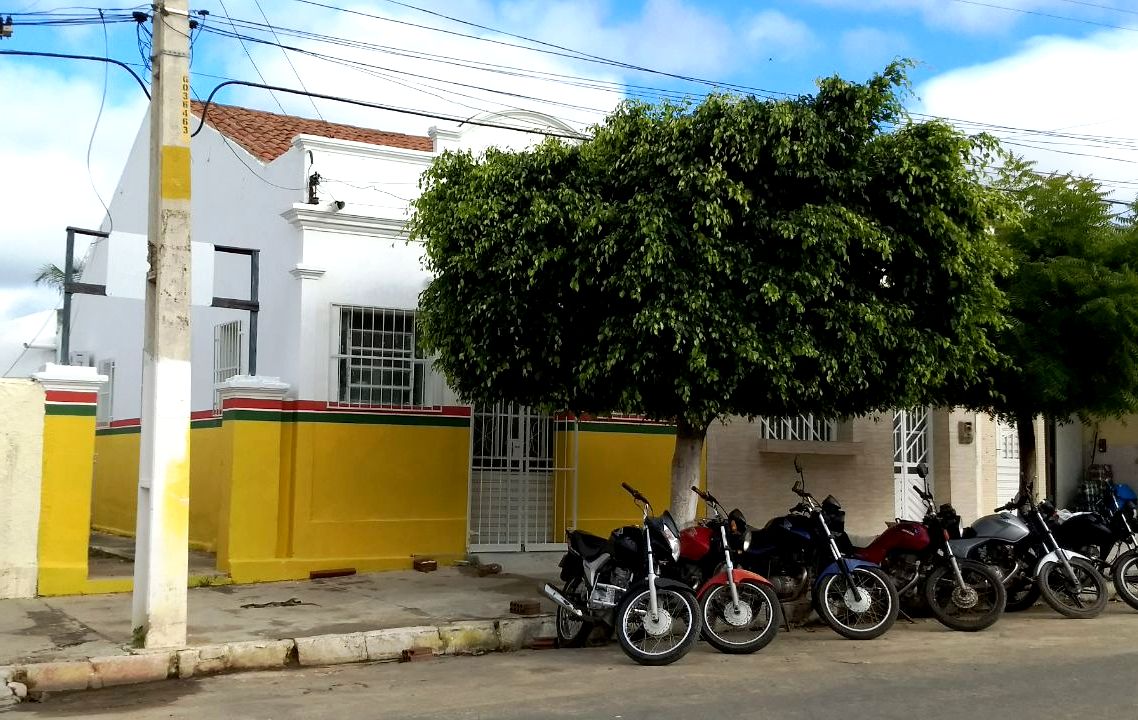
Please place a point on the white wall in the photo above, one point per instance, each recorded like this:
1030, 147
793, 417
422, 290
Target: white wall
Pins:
21, 463
1071, 459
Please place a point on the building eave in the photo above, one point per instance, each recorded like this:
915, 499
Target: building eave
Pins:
315, 217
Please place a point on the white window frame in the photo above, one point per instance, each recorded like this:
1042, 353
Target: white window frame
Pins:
800, 428
229, 356
377, 362
104, 406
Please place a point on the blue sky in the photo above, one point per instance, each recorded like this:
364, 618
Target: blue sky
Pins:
1070, 73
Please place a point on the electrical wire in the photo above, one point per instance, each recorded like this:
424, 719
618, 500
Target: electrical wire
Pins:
1100, 7
287, 58
99, 117
123, 65
250, 56
1024, 11
27, 345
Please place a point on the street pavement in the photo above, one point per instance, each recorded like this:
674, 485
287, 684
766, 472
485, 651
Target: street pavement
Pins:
1030, 665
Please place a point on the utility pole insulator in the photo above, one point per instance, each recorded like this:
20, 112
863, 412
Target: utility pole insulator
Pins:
6, 27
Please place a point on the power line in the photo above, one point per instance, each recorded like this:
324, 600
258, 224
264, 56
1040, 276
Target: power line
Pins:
1100, 7
95, 129
286, 57
112, 61
250, 56
1023, 11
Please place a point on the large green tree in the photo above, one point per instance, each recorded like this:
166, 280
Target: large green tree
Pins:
1072, 339
817, 254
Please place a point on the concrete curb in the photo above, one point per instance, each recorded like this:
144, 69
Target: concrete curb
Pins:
464, 637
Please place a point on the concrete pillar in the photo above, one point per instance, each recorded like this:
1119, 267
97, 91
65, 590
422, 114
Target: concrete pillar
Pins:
255, 498
21, 468
70, 396
959, 471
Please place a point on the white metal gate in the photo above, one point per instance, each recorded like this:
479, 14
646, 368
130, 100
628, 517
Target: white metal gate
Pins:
1007, 462
523, 479
228, 355
910, 449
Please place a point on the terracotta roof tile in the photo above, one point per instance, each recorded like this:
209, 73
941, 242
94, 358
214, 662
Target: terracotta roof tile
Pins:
268, 135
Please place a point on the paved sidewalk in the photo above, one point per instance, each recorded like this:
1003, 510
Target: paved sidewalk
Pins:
75, 628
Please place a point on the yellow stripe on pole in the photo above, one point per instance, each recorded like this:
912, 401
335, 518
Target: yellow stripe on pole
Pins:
175, 172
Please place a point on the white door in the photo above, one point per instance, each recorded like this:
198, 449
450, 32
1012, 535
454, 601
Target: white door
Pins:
521, 476
1007, 462
910, 449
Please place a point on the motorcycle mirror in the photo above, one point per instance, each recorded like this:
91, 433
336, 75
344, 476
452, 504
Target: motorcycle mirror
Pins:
923, 470
797, 465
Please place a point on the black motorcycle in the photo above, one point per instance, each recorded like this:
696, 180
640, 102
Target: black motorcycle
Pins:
807, 551
1100, 535
1030, 561
617, 582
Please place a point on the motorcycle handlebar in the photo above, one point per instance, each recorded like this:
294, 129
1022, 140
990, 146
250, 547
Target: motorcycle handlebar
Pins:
707, 496
634, 493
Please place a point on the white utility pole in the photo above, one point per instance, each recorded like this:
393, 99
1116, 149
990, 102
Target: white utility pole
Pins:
162, 541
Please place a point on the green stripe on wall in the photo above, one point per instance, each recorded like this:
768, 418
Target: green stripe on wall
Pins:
76, 410
129, 429
207, 423
347, 418
629, 428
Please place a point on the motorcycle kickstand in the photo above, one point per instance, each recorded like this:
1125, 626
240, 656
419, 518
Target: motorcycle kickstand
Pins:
905, 615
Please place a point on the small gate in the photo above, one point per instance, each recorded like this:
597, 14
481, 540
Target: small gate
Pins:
910, 449
523, 479
1007, 462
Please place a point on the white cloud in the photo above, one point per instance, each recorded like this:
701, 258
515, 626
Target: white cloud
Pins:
1058, 84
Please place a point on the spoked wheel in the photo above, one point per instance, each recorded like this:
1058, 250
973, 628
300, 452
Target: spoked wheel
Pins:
743, 629
975, 606
573, 631
665, 638
1084, 598
1125, 576
860, 609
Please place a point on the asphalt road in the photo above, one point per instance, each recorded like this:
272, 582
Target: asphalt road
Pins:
1033, 665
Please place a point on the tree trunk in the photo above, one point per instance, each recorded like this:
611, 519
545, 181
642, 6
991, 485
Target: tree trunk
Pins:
1025, 429
685, 471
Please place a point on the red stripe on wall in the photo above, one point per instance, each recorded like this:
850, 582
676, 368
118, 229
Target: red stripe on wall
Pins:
320, 406
72, 396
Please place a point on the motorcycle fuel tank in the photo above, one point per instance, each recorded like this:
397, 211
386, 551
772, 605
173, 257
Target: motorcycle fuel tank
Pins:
695, 542
1003, 526
904, 536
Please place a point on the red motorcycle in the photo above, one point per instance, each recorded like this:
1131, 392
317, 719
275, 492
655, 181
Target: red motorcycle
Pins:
962, 594
740, 608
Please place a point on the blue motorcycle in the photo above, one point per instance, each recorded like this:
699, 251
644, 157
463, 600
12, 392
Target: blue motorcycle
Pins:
807, 550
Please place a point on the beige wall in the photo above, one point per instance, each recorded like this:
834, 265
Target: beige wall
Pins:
755, 475
21, 465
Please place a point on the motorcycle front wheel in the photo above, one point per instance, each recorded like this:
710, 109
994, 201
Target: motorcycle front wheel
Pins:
1085, 601
976, 606
1022, 595
862, 608
665, 638
1124, 572
744, 629
572, 631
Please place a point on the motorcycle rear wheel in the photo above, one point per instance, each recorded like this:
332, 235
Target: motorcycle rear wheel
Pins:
1021, 596
658, 645
762, 609
1058, 593
941, 594
832, 603
573, 632
1124, 573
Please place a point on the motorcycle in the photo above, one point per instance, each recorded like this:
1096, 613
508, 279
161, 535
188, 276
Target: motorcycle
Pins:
799, 553
962, 594
1099, 535
1022, 549
617, 582
740, 608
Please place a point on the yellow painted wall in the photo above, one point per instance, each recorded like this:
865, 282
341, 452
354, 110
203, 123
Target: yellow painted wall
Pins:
68, 446
115, 492
607, 458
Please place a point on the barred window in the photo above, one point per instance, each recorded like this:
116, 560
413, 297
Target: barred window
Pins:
377, 360
103, 407
808, 428
228, 356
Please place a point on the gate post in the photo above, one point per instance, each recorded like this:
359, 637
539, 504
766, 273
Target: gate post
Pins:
70, 397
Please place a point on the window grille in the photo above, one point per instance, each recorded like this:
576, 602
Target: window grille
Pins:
377, 361
103, 407
807, 428
228, 356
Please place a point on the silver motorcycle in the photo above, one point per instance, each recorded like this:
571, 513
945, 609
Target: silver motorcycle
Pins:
1021, 548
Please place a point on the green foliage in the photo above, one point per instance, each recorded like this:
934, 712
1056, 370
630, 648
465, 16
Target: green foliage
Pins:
51, 275
819, 254
1073, 301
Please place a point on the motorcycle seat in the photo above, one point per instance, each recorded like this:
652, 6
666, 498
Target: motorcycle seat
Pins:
586, 544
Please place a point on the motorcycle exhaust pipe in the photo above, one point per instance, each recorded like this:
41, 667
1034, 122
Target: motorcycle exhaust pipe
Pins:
553, 594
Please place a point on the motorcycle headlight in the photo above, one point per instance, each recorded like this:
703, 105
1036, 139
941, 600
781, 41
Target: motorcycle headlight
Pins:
747, 540
673, 542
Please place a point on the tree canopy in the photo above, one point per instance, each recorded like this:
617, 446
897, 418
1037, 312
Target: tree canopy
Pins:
739, 256
1072, 339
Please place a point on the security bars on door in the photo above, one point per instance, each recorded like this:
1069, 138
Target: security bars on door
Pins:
806, 428
523, 479
103, 407
228, 356
377, 362
910, 449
